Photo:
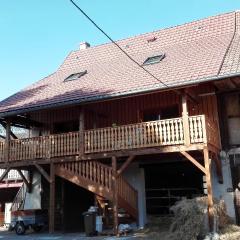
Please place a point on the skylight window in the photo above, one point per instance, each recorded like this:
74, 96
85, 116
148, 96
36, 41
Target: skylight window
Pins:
154, 59
75, 76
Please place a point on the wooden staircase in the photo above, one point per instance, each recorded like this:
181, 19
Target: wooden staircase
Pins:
19, 200
97, 178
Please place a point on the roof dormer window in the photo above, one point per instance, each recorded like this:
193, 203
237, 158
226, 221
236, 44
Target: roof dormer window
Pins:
154, 59
75, 76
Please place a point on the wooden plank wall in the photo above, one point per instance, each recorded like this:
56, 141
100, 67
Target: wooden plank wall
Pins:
129, 110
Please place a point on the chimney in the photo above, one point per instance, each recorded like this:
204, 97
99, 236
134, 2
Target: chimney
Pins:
84, 45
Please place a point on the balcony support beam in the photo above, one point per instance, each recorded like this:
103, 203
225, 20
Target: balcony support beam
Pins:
43, 172
207, 163
125, 165
26, 182
115, 195
52, 199
194, 161
186, 131
4, 174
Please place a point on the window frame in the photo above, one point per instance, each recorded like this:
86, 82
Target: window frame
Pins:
149, 62
77, 76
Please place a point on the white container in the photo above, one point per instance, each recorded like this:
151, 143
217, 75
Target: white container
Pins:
7, 214
99, 224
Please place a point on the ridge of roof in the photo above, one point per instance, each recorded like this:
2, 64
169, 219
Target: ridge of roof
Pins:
153, 31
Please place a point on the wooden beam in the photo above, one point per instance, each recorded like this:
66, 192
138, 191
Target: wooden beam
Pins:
43, 172
107, 155
11, 133
24, 179
4, 174
185, 120
7, 140
209, 187
191, 94
63, 205
3, 137
194, 161
24, 122
115, 195
125, 165
52, 199
81, 131
96, 188
233, 83
218, 164
144, 151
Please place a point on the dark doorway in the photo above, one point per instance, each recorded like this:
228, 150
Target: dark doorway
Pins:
76, 201
167, 183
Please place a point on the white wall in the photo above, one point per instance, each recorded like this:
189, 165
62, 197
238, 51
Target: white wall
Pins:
135, 176
220, 191
33, 199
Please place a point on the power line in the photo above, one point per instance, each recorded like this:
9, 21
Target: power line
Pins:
117, 45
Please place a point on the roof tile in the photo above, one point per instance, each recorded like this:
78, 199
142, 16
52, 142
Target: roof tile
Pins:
194, 51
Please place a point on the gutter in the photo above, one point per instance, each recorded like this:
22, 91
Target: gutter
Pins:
116, 95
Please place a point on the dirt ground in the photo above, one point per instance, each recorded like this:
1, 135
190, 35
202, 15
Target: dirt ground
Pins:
157, 230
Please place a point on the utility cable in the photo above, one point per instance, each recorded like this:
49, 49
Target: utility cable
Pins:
117, 45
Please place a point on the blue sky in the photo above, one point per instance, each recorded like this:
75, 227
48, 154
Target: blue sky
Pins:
36, 36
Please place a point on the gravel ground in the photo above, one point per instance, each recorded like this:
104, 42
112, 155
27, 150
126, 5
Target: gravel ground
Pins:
6, 235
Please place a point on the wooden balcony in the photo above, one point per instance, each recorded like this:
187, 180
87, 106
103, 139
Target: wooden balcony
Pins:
144, 135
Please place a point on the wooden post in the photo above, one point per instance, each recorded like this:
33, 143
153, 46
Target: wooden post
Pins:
115, 195
207, 164
7, 140
52, 199
81, 132
63, 205
186, 131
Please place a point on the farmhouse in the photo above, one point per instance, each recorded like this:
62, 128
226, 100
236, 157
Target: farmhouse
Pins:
104, 131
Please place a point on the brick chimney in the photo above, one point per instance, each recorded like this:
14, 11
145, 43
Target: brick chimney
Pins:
84, 45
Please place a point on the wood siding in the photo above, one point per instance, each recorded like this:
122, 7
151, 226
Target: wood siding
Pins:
130, 110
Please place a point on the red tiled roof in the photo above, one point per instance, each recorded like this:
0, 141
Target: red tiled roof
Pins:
195, 52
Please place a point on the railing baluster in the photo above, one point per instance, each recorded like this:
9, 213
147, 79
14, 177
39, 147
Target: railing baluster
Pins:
140, 135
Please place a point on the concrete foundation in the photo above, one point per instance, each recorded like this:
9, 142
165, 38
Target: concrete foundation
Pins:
224, 191
33, 199
135, 176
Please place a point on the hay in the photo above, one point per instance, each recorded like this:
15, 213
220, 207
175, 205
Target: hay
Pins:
230, 232
191, 218
189, 215
190, 222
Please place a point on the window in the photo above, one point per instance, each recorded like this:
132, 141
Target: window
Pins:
154, 59
75, 76
161, 113
65, 127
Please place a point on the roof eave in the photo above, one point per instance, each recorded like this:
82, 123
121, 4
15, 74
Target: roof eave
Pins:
116, 95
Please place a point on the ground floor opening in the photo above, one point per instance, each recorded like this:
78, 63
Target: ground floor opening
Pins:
169, 181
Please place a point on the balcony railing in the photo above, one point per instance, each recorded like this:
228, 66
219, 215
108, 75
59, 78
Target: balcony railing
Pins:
134, 136
141, 135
